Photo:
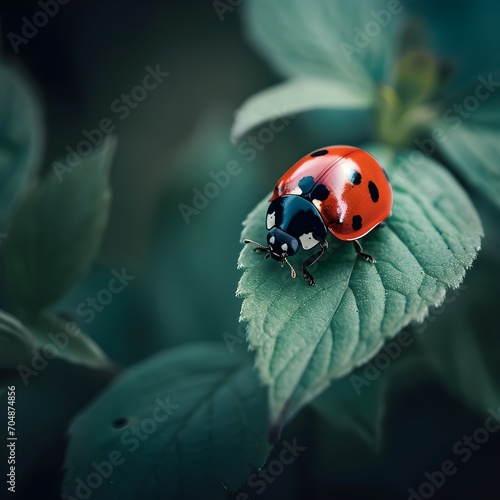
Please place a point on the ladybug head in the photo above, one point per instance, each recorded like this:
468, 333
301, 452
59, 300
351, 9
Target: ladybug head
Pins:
280, 246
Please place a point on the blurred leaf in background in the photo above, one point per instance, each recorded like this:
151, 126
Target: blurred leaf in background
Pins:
191, 421
22, 137
16, 342
56, 233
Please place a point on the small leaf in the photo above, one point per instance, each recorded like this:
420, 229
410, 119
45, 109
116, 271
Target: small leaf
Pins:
21, 138
298, 95
67, 340
56, 233
202, 415
474, 149
16, 342
306, 336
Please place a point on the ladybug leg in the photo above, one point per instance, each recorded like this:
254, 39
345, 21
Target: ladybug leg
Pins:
312, 260
382, 224
359, 251
260, 248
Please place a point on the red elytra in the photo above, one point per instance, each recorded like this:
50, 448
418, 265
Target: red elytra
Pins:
359, 193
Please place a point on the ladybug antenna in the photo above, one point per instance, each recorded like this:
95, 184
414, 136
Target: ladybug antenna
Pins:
293, 273
262, 247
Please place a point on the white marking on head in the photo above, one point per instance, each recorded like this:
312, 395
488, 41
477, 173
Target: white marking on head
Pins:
272, 239
271, 220
317, 204
307, 241
284, 247
297, 190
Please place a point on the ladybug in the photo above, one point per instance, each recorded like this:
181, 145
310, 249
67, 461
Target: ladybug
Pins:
341, 189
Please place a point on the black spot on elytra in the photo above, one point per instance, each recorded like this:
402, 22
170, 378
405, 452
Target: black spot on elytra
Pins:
372, 187
357, 222
320, 192
306, 184
119, 422
321, 152
354, 177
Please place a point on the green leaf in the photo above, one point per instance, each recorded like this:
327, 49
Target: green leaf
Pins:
297, 95
202, 418
474, 149
16, 342
21, 138
56, 233
319, 39
306, 336
48, 334
68, 341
